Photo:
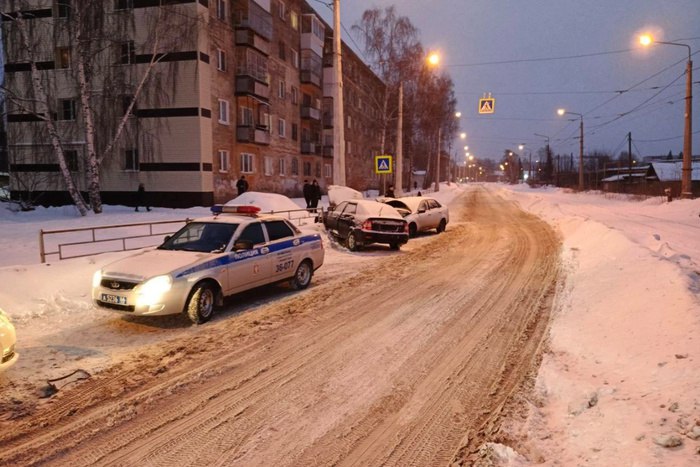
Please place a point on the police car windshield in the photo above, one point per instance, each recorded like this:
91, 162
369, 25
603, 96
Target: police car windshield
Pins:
204, 237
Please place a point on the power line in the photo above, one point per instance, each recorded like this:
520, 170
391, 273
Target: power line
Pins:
541, 59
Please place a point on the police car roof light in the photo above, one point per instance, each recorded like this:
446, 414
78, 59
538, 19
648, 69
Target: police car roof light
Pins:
242, 209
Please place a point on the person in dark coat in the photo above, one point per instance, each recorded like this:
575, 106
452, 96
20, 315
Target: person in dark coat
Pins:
390, 192
315, 194
242, 185
307, 193
141, 198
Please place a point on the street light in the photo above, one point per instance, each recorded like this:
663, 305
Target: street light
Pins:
580, 147
529, 167
686, 179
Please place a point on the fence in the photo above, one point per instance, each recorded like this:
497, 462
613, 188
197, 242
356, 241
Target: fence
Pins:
88, 241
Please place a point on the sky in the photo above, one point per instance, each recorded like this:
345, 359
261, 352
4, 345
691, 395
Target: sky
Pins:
620, 370
472, 34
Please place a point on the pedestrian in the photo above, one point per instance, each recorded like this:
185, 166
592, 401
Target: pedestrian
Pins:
415, 185
307, 193
390, 192
242, 185
315, 193
141, 198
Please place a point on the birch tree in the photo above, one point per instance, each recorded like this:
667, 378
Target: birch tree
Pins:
96, 42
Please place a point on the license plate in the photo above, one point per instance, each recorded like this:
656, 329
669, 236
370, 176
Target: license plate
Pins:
116, 299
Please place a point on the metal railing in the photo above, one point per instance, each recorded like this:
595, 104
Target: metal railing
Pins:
79, 242
88, 241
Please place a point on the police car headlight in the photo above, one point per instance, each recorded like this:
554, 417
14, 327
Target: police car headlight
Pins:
153, 289
96, 279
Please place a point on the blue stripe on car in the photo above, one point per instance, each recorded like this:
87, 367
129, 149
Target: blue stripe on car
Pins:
244, 255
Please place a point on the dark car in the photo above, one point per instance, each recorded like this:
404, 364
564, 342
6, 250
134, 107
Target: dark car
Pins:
361, 222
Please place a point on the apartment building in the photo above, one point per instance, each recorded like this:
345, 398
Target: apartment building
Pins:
236, 87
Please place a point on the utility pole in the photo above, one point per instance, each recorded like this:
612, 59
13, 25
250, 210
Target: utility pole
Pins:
339, 119
687, 179
437, 164
580, 157
398, 165
629, 158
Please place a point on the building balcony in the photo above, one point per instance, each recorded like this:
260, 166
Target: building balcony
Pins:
327, 151
247, 37
310, 77
310, 113
308, 147
251, 134
249, 15
248, 85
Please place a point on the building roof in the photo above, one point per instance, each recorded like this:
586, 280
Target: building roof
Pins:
670, 171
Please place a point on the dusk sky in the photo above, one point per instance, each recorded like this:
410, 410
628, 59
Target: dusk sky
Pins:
472, 34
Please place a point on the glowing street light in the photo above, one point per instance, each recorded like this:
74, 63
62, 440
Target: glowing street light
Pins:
463, 136
458, 114
686, 178
433, 58
562, 112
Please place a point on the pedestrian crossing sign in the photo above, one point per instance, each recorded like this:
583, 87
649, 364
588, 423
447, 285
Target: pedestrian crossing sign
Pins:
487, 105
383, 165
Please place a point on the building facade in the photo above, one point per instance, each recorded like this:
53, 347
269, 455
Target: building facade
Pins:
233, 88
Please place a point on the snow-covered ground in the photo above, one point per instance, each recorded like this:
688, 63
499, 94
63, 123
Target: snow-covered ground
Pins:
622, 368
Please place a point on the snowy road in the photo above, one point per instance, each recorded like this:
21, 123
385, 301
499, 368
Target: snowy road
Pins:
409, 361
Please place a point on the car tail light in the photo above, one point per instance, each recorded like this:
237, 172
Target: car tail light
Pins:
367, 225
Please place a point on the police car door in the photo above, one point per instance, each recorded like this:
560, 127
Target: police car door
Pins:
285, 249
249, 267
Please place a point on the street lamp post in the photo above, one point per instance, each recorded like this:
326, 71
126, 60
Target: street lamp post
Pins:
580, 149
686, 177
546, 138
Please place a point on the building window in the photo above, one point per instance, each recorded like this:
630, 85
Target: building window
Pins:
318, 170
282, 50
220, 60
268, 165
63, 8
348, 147
123, 5
295, 166
127, 53
282, 127
131, 160
328, 170
349, 122
223, 160
66, 109
246, 116
295, 58
127, 99
295, 131
71, 156
282, 10
307, 169
223, 111
295, 95
63, 57
221, 9
283, 166
294, 20
246, 163
282, 89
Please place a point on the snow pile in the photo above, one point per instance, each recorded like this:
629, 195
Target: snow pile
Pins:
267, 202
618, 385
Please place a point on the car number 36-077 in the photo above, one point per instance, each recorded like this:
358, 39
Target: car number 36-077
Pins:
116, 299
280, 267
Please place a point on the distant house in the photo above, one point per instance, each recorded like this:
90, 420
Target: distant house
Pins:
652, 179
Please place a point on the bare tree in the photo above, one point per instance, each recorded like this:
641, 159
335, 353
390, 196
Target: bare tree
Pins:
107, 93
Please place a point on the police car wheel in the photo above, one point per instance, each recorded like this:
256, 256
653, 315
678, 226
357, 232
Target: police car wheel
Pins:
394, 246
200, 305
412, 230
302, 276
441, 227
353, 243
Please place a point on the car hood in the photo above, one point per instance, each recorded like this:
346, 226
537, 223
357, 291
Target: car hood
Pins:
150, 263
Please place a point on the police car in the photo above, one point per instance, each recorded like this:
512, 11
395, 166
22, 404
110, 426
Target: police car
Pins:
234, 250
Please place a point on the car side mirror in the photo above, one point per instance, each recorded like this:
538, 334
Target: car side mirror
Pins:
243, 244
166, 238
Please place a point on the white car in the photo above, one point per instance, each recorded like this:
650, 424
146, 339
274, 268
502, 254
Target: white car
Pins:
7, 342
421, 213
234, 250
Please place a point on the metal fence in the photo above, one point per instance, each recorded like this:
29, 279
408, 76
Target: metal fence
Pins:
88, 241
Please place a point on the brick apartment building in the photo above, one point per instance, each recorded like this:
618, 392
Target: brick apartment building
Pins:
240, 88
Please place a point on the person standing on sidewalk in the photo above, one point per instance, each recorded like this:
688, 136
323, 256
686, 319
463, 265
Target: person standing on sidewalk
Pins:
141, 198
